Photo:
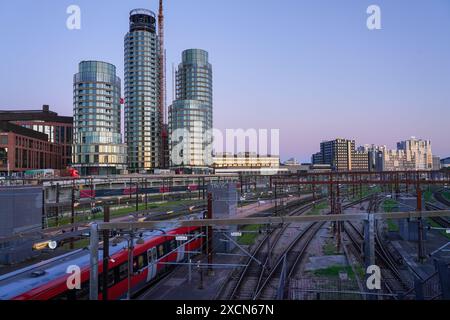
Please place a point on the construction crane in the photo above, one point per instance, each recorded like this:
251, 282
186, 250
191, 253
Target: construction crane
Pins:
162, 55
162, 81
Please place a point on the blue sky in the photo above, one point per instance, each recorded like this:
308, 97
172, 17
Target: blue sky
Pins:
310, 68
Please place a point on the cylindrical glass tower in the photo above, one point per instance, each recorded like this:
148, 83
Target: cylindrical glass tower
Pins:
194, 77
191, 115
142, 123
98, 148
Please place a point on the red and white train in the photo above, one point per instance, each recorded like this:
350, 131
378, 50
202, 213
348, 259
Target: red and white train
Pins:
48, 280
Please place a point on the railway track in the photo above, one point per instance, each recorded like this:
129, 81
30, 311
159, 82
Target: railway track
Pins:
245, 285
440, 197
286, 264
290, 259
441, 221
394, 282
261, 280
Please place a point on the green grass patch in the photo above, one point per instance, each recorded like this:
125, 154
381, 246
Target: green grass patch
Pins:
333, 272
392, 226
318, 208
436, 225
365, 191
446, 195
389, 205
249, 238
117, 213
428, 195
80, 244
329, 249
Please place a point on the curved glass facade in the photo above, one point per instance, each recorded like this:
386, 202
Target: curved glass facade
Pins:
194, 77
191, 134
142, 126
191, 115
98, 147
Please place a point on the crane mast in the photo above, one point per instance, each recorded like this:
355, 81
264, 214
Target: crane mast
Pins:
162, 82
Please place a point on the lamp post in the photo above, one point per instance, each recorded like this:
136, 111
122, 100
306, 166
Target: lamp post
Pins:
130, 263
130, 247
7, 162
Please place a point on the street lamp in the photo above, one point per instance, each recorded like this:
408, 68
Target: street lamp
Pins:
7, 161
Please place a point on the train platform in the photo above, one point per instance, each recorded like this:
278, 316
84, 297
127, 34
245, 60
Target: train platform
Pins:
176, 285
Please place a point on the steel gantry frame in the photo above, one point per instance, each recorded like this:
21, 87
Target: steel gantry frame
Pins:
391, 180
134, 227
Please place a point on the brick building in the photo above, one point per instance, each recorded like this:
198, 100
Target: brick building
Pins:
37, 139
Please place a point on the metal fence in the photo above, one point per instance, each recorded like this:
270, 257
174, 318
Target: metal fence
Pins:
315, 288
431, 289
334, 288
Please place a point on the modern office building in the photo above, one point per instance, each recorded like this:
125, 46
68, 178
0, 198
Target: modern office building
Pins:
411, 155
247, 163
375, 155
360, 161
291, 162
34, 139
143, 123
98, 147
338, 153
191, 114
445, 163
436, 163
420, 150
396, 160
403, 159
317, 158
341, 155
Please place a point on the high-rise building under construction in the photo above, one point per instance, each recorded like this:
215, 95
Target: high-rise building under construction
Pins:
143, 123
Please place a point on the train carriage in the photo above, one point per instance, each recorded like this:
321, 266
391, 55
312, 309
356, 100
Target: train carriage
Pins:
48, 280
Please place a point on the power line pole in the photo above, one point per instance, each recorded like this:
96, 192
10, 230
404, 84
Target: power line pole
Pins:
72, 215
105, 273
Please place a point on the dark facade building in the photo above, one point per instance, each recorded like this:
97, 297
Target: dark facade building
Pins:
317, 158
34, 139
341, 155
445, 163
